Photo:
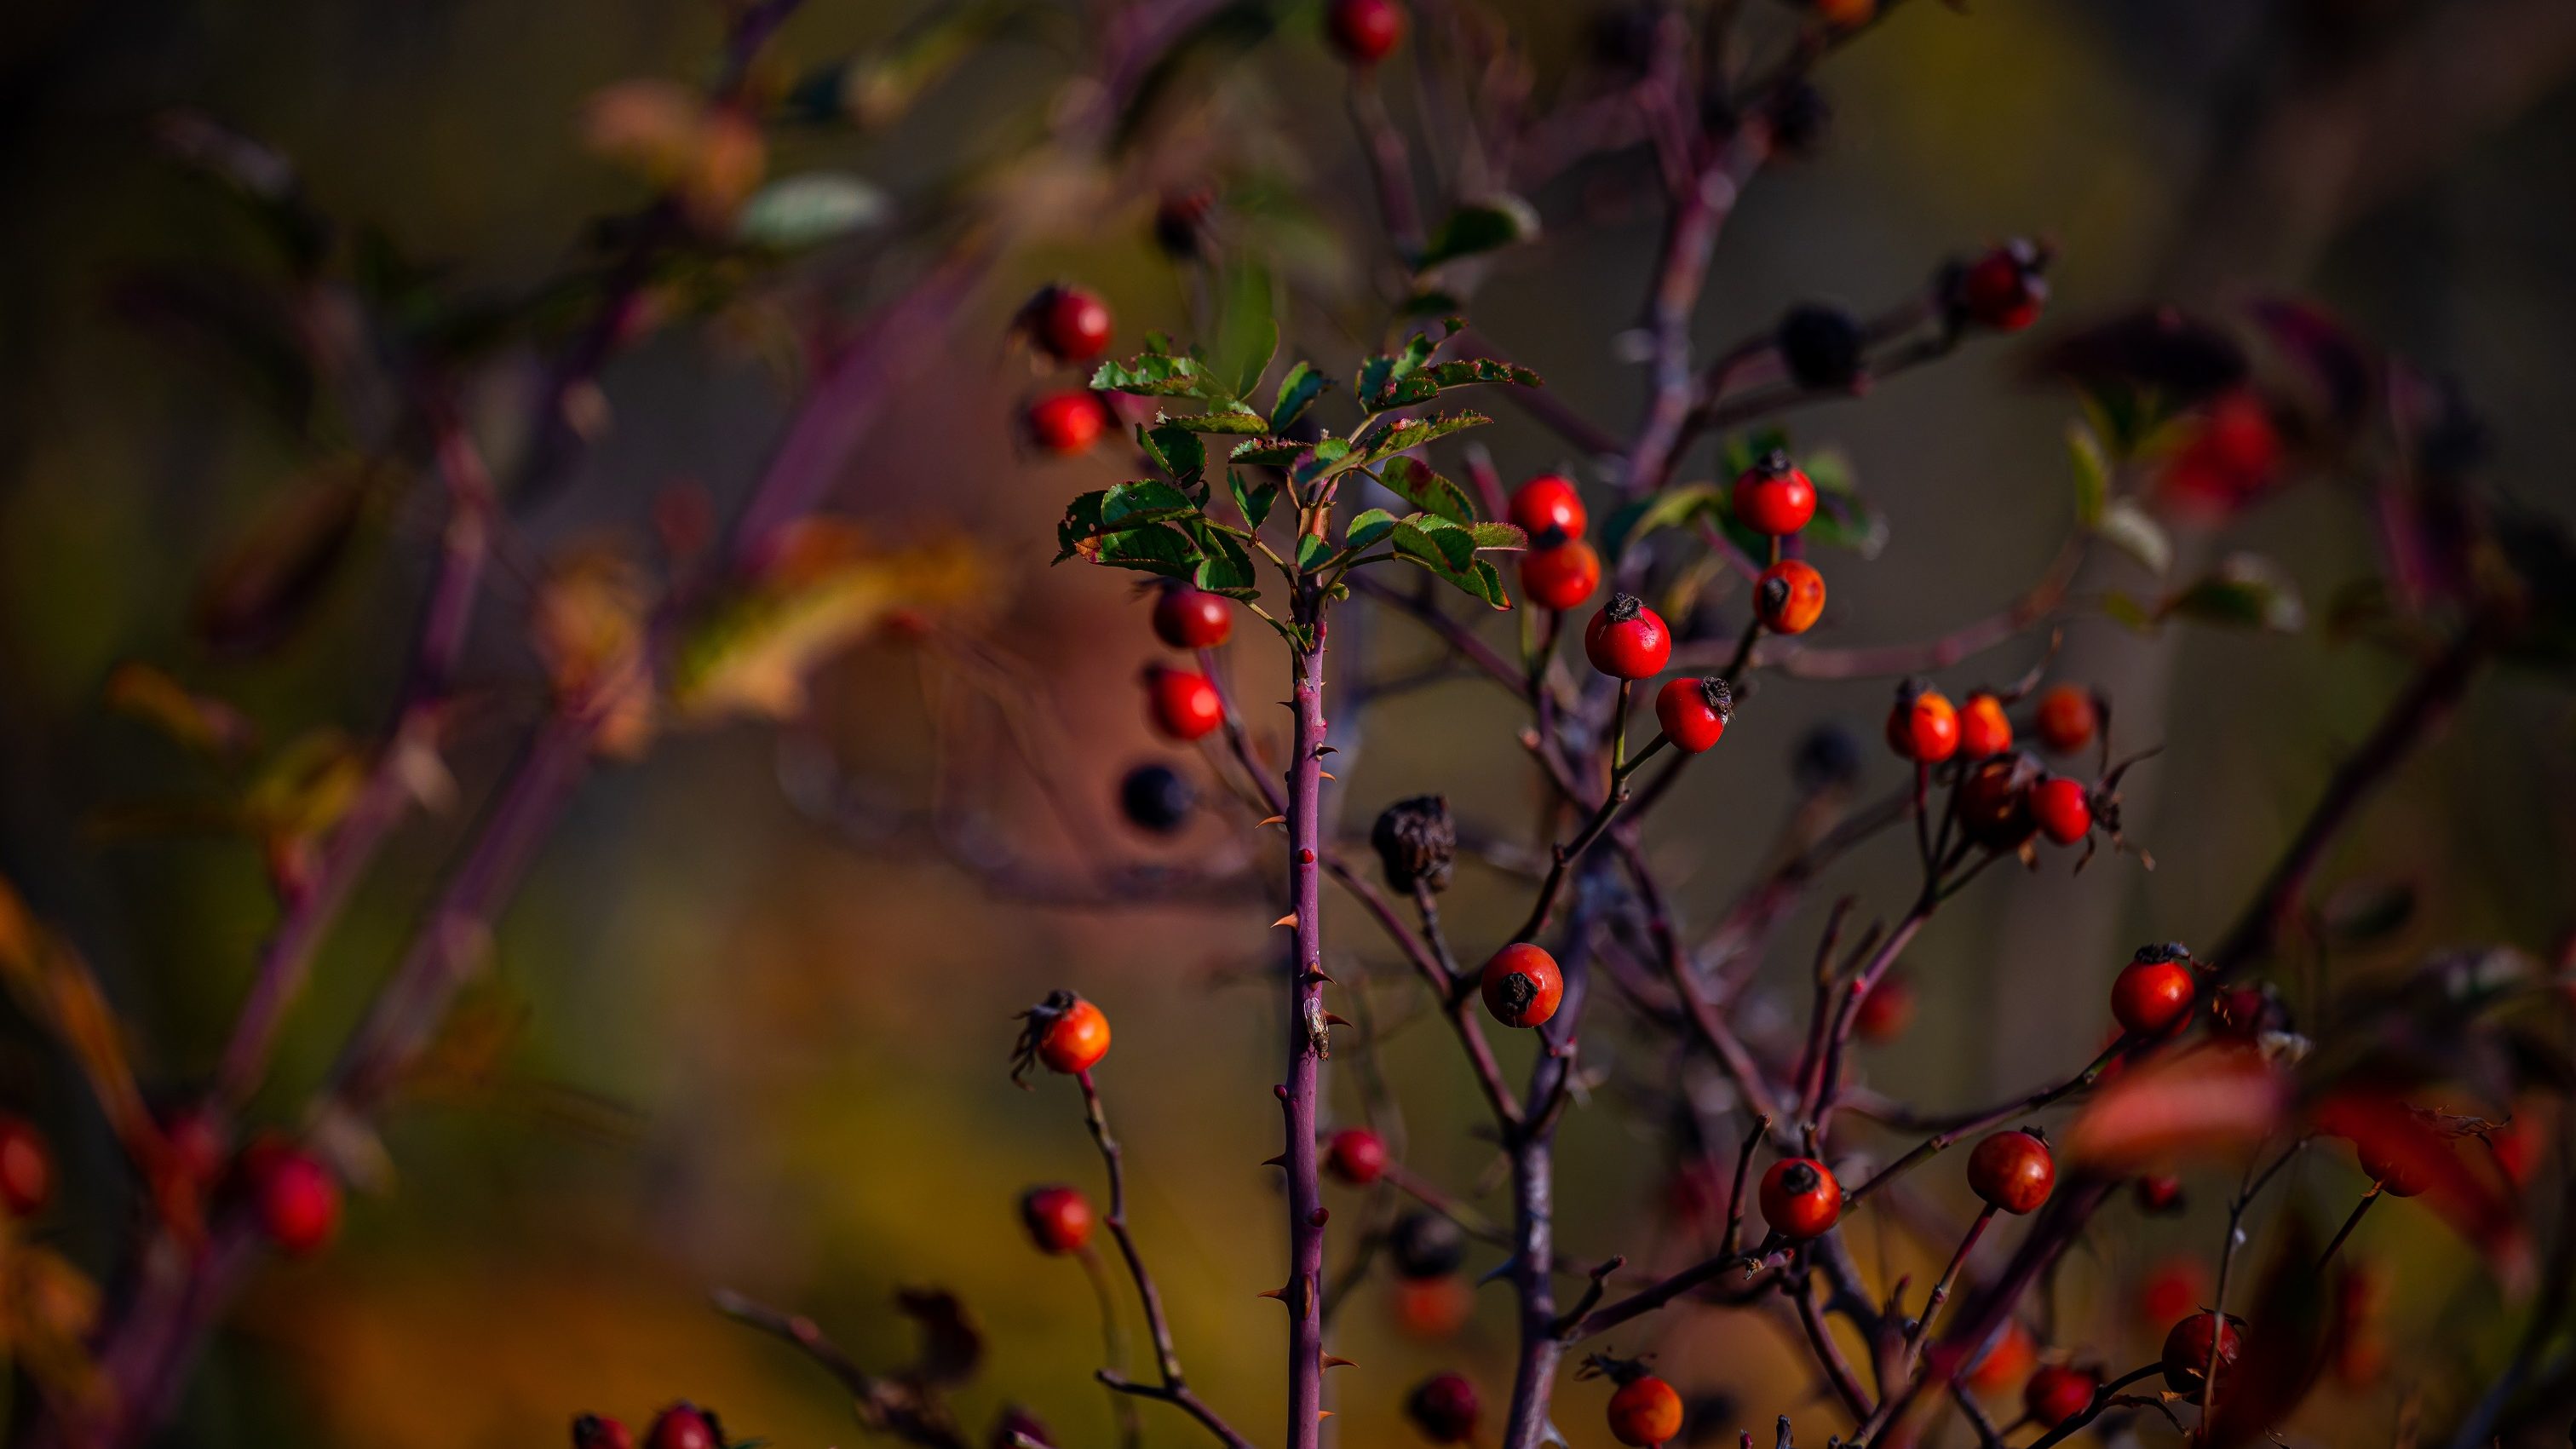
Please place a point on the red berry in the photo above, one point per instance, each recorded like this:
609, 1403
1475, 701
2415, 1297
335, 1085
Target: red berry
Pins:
597, 1431
2003, 289
2012, 1171
1549, 510
2235, 455
1789, 597
2059, 1392
1072, 325
1694, 713
1800, 1198
26, 1168
2067, 719
1983, 729
1188, 618
1562, 577
1443, 1407
2160, 1195
1356, 1156
1645, 1412
2153, 994
683, 1426
2172, 1288
297, 1197
1432, 1308
1365, 31
1774, 496
1067, 423
1521, 985
1185, 705
2008, 1356
1058, 1218
1924, 726
1886, 1011
2062, 809
1076, 1039
2187, 1350
1627, 640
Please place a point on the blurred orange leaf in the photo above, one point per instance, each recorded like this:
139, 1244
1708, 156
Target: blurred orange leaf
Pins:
826, 590
2186, 1104
199, 721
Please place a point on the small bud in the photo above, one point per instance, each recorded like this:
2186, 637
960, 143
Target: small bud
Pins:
1416, 841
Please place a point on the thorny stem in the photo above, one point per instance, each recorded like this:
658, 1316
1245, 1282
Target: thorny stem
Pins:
1306, 1028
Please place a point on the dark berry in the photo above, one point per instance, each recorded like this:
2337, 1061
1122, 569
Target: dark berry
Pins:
1423, 1244
1156, 798
1822, 347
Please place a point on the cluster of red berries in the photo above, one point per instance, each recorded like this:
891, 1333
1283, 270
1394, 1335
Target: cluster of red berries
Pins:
681, 1426
1182, 703
1560, 570
2005, 798
1072, 327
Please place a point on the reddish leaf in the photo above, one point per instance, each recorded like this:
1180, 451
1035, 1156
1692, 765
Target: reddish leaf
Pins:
2413, 1147
2288, 1342
2192, 1103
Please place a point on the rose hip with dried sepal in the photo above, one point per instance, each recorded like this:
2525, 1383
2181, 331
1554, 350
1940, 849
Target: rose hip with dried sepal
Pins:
1789, 597
1627, 640
1694, 713
1521, 985
1064, 1032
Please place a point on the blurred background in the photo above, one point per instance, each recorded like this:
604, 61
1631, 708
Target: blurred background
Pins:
745, 1028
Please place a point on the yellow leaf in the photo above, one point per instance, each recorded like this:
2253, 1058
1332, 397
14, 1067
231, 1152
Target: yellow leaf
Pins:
826, 591
201, 722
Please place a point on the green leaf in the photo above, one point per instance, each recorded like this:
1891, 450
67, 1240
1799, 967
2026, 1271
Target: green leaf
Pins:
2125, 610
1234, 418
1297, 392
1154, 374
1224, 567
2092, 474
1269, 452
1324, 459
795, 212
1498, 535
1843, 519
1177, 451
1389, 436
1146, 501
1081, 523
2246, 591
1413, 481
2126, 527
1435, 541
1311, 552
1247, 331
1671, 508
1367, 529
1160, 549
1255, 502
1481, 226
